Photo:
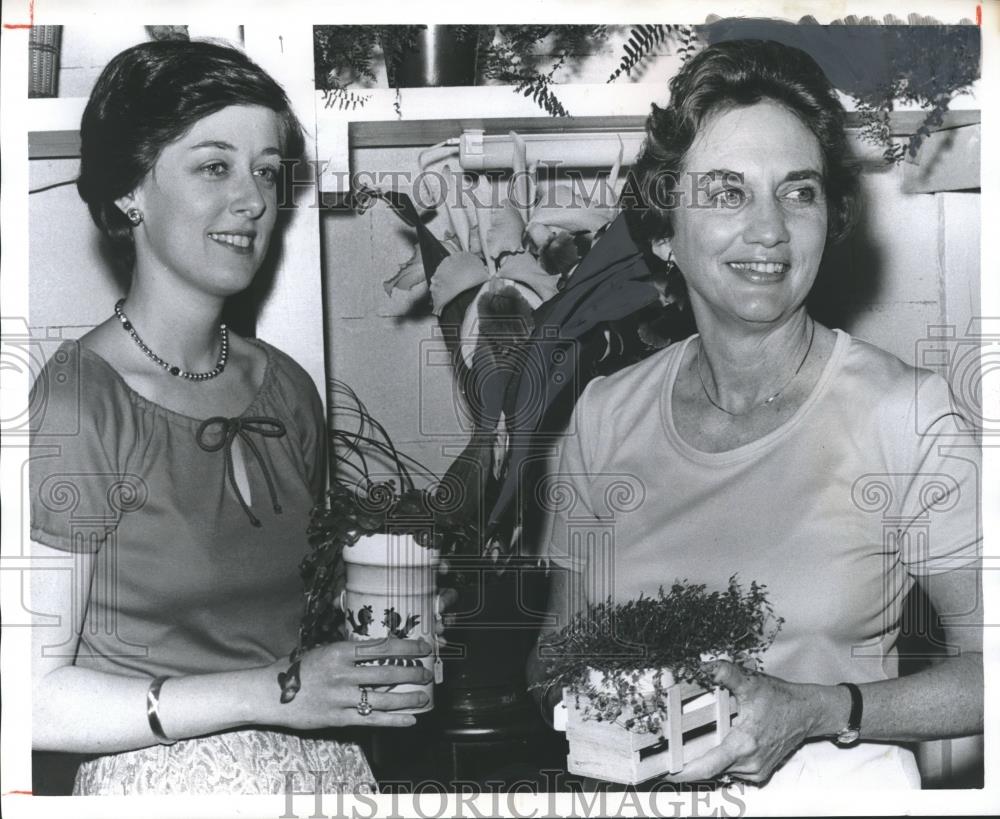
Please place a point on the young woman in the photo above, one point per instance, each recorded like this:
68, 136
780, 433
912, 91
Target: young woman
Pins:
182, 473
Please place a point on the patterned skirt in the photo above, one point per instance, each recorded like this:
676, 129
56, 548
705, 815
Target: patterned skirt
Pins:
253, 761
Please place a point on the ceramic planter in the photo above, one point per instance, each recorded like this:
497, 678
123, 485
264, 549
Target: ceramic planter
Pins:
391, 592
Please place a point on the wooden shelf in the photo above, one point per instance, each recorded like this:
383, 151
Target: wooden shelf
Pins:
53, 124
410, 133
419, 133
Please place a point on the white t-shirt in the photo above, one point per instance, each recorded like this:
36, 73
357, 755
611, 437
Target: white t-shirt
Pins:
873, 481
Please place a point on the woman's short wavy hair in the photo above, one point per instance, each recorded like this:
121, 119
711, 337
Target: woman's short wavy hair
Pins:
729, 75
149, 96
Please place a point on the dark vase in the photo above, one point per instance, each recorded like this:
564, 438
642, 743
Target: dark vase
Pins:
497, 617
441, 57
485, 727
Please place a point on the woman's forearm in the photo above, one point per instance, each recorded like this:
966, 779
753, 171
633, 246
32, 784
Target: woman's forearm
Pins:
85, 711
945, 700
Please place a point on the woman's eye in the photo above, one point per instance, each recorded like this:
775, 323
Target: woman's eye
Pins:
268, 173
215, 168
730, 198
802, 196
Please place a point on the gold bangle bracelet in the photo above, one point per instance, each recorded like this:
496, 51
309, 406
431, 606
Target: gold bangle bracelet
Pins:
152, 711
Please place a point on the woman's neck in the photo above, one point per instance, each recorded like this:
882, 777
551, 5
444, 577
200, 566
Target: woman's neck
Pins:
740, 370
182, 328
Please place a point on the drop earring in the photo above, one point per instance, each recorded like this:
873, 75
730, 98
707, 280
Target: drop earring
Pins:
134, 215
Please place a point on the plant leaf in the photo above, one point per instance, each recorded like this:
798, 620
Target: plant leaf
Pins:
451, 242
525, 269
566, 207
411, 273
506, 230
454, 275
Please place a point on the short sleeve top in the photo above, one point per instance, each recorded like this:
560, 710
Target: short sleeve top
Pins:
873, 483
184, 582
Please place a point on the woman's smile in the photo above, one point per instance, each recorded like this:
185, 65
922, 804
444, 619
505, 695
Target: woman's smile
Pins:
241, 243
761, 272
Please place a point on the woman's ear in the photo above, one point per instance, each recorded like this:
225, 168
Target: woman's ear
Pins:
123, 203
661, 249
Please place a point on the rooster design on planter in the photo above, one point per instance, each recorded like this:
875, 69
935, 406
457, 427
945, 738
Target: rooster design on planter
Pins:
392, 622
365, 617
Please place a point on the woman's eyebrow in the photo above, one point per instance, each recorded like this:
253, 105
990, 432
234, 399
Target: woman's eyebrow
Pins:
798, 176
214, 143
720, 173
228, 146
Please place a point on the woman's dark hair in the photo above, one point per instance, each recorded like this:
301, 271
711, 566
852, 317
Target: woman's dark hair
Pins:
729, 75
149, 96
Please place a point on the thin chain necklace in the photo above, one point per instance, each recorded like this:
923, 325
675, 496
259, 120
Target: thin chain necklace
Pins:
772, 397
170, 368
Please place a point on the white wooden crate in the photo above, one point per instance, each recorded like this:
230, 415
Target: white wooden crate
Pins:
695, 720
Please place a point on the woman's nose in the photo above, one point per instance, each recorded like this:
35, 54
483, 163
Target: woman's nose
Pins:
766, 224
248, 200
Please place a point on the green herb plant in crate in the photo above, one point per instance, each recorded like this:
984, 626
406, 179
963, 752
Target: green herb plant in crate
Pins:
639, 695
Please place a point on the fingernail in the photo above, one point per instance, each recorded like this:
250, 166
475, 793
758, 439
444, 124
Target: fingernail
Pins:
424, 700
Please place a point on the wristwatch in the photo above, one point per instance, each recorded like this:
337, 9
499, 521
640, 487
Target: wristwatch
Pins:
852, 733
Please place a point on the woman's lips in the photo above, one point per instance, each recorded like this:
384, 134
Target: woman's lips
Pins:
761, 272
238, 242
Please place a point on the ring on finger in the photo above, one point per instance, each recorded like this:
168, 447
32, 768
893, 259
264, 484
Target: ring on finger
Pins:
726, 779
363, 706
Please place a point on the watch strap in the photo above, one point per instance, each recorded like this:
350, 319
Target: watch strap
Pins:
853, 729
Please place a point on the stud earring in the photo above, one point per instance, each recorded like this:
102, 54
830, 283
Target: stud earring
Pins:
134, 215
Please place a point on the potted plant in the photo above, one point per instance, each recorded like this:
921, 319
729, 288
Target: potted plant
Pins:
880, 64
417, 56
376, 491
551, 273
510, 281
640, 700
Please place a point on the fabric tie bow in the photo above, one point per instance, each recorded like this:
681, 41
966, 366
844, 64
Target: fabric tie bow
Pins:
229, 429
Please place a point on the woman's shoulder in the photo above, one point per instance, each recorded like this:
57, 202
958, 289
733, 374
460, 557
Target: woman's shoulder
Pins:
80, 403
883, 373
896, 391
637, 379
280, 360
285, 372
73, 376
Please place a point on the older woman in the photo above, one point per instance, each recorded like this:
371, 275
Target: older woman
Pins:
183, 479
764, 445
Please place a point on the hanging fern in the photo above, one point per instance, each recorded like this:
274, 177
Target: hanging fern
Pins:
538, 88
926, 68
644, 38
343, 100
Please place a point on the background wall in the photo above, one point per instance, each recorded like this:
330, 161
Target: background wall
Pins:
912, 265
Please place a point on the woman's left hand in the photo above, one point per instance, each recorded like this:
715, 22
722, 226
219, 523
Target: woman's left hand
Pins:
775, 718
447, 597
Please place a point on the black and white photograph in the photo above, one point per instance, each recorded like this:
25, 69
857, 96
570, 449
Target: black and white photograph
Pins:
543, 411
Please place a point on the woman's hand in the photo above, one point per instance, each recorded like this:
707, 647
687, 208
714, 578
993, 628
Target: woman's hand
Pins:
775, 718
332, 680
447, 597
